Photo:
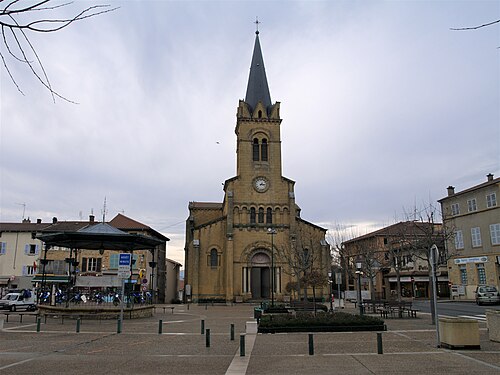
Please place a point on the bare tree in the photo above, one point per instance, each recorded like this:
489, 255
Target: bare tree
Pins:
20, 19
475, 27
415, 239
300, 254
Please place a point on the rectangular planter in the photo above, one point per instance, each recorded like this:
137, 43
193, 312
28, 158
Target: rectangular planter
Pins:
493, 321
459, 333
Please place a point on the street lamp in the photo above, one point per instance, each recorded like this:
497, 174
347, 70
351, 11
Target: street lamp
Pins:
152, 264
359, 265
330, 281
272, 232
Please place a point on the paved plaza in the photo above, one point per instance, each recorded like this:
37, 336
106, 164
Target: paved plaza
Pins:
409, 347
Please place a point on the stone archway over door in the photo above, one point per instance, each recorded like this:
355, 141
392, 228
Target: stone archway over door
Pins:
260, 278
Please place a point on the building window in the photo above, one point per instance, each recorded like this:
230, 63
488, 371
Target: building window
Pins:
471, 205
481, 274
214, 258
491, 200
476, 236
255, 149
495, 234
252, 215
91, 264
459, 239
455, 209
269, 215
463, 274
31, 249
28, 270
3, 248
261, 215
263, 150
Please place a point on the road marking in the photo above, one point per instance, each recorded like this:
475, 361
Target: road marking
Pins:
16, 363
476, 317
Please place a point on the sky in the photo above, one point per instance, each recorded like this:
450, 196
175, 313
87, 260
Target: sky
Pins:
383, 107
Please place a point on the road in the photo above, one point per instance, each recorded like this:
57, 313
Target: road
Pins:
461, 309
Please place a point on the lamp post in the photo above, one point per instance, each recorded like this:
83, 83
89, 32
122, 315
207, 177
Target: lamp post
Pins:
152, 264
272, 232
359, 265
330, 281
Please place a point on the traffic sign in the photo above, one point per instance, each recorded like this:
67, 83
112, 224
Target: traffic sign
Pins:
144, 281
124, 274
124, 259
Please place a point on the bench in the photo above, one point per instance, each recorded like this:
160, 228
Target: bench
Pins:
307, 306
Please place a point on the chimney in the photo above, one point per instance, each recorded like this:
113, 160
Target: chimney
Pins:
39, 221
489, 176
91, 218
26, 221
54, 220
451, 190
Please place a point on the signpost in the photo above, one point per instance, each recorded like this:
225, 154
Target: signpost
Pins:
124, 262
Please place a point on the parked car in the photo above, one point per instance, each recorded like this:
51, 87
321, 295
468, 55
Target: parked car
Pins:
18, 300
487, 294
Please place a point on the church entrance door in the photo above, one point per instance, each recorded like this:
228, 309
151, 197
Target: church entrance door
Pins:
260, 278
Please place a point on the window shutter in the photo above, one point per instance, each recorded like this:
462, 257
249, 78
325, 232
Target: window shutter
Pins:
37, 249
3, 246
27, 249
25, 270
99, 263
84, 264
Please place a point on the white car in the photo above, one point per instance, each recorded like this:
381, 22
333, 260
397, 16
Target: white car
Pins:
18, 300
487, 294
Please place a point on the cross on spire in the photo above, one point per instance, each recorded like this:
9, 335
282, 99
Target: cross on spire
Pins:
257, 25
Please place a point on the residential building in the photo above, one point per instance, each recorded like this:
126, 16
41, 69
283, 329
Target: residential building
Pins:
60, 268
400, 250
172, 272
472, 216
254, 245
19, 252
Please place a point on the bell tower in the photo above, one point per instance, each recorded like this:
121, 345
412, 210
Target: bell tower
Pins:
258, 130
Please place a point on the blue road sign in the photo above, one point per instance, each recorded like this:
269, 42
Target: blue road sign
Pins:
124, 259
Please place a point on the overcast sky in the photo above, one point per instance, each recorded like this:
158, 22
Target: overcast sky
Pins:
383, 107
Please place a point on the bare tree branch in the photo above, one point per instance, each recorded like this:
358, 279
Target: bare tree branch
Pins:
475, 27
16, 18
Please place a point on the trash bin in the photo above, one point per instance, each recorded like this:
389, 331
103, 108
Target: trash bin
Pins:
264, 305
257, 313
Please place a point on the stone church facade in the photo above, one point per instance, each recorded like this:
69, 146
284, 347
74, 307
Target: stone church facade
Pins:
254, 245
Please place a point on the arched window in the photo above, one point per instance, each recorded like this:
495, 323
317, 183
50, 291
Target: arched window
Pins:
306, 257
255, 149
269, 215
260, 114
261, 215
252, 215
263, 150
214, 258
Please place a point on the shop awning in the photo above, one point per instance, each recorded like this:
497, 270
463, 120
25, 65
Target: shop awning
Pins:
50, 279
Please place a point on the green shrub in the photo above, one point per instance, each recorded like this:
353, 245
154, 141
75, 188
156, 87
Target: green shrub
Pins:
305, 321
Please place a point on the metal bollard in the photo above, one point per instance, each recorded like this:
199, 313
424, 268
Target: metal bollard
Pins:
311, 344
380, 349
242, 345
78, 322
188, 306
38, 321
202, 326
207, 338
119, 326
206, 306
232, 332
20, 318
160, 327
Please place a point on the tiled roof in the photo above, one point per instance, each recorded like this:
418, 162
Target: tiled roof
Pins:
482, 185
23, 227
205, 205
123, 222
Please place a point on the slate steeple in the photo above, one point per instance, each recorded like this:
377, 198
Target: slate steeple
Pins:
257, 89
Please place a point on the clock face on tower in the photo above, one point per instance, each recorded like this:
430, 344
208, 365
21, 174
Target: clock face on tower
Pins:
261, 184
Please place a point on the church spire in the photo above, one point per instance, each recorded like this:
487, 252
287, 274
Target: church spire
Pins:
257, 89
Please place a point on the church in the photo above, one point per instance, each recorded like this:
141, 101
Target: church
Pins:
254, 245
